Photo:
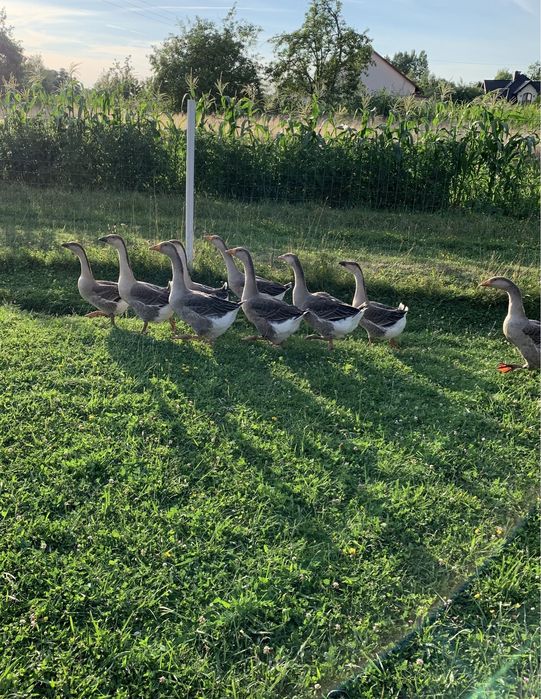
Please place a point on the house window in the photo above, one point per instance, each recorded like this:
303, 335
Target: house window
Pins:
526, 97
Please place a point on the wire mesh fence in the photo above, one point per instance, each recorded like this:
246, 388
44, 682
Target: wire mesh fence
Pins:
469, 159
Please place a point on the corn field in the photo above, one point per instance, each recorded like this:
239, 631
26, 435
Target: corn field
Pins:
424, 156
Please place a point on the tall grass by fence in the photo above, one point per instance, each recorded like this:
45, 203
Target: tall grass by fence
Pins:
423, 156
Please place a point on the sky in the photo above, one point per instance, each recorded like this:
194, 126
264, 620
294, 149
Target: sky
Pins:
465, 40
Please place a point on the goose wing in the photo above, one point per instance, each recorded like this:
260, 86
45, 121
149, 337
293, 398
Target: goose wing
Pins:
273, 310
220, 291
210, 306
383, 316
150, 294
107, 290
330, 309
533, 330
266, 286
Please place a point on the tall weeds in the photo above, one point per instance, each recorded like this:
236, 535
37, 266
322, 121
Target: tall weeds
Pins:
425, 155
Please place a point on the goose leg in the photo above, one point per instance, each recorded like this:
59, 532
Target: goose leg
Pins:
504, 368
173, 324
331, 344
186, 337
252, 338
113, 322
314, 337
393, 343
145, 328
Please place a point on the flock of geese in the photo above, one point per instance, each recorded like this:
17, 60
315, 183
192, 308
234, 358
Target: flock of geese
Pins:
210, 312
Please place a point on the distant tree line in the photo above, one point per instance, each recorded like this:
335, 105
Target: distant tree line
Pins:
323, 58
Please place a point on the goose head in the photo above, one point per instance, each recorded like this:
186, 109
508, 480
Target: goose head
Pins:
498, 283
113, 239
289, 258
216, 241
350, 265
241, 253
167, 247
76, 248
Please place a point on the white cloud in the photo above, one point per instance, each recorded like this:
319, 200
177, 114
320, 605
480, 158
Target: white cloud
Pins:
27, 14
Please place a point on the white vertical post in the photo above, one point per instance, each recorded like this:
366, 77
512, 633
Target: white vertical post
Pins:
190, 172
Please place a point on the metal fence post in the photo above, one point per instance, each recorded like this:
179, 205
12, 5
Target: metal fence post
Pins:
190, 172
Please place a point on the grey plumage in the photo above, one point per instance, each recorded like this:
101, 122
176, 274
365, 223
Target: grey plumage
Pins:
274, 319
329, 316
208, 315
236, 279
520, 330
103, 295
149, 301
380, 321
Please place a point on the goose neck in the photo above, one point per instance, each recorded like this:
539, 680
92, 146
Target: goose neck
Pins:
86, 269
360, 290
300, 290
124, 263
250, 284
234, 276
516, 305
178, 282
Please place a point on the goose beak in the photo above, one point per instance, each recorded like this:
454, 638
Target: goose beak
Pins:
343, 263
208, 237
485, 283
157, 247
103, 239
232, 251
66, 245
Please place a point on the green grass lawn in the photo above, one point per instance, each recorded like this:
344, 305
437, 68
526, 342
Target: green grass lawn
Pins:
242, 521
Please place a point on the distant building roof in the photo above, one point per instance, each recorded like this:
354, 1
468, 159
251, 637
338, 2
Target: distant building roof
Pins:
510, 88
490, 85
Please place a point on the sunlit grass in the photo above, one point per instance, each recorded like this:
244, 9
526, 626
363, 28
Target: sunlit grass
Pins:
239, 521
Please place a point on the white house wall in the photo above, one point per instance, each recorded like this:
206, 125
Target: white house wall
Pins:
381, 76
522, 95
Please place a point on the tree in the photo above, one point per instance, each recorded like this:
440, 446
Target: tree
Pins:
119, 78
466, 93
11, 54
534, 71
203, 55
412, 64
503, 74
35, 72
325, 57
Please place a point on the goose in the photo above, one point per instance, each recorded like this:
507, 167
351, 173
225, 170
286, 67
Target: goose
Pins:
103, 295
325, 313
381, 322
235, 278
517, 328
274, 319
150, 302
220, 291
209, 316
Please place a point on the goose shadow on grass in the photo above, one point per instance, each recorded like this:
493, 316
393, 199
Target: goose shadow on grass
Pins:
415, 408
219, 387
226, 388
